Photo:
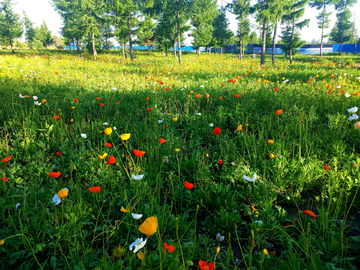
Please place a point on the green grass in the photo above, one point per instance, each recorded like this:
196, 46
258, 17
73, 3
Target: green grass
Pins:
85, 230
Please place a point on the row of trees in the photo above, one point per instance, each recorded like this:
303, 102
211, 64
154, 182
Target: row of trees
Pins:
163, 22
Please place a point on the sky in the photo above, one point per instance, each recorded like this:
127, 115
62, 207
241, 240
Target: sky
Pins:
39, 10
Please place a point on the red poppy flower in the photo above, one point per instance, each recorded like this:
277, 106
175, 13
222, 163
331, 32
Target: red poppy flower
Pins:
58, 154
278, 112
312, 79
220, 161
161, 83
149, 109
117, 103
76, 99
356, 93
139, 153
98, 98
223, 84
162, 140
326, 167
54, 174
237, 95
237, 77
329, 92
204, 266
169, 248
167, 89
5, 179
309, 213
101, 104
95, 189
220, 98
109, 145
147, 98
328, 86
188, 185
56, 117
217, 131
111, 160
6, 159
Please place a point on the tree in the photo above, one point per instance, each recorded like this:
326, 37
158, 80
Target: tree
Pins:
202, 15
323, 17
265, 13
220, 33
291, 39
30, 32
341, 31
10, 24
45, 35
292, 18
253, 38
241, 8
87, 15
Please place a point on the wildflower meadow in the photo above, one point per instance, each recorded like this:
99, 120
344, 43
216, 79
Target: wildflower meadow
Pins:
218, 163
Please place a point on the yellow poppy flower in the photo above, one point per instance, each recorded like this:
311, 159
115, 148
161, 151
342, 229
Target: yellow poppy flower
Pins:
175, 119
149, 226
124, 210
140, 255
239, 127
271, 155
125, 136
270, 141
265, 251
72, 120
72, 107
108, 131
177, 149
2, 242
103, 156
43, 101
63, 193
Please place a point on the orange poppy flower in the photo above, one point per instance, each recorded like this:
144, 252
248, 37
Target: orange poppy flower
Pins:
111, 160
6, 159
54, 174
161, 83
117, 103
309, 213
139, 153
56, 117
95, 189
237, 95
101, 104
147, 98
278, 112
188, 185
223, 84
157, 89
169, 248
204, 266
162, 140
109, 145
5, 179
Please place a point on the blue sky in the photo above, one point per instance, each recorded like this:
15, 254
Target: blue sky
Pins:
39, 10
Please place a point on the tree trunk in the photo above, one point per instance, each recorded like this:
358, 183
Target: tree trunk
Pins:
178, 32
220, 50
130, 38
11, 40
175, 47
166, 53
209, 49
70, 45
78, 46
322, 32
341, 42
93, 38
199, 51
291, 41
274, 43
240, 50
263, 47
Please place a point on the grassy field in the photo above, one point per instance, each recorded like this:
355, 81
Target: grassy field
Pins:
152, 165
